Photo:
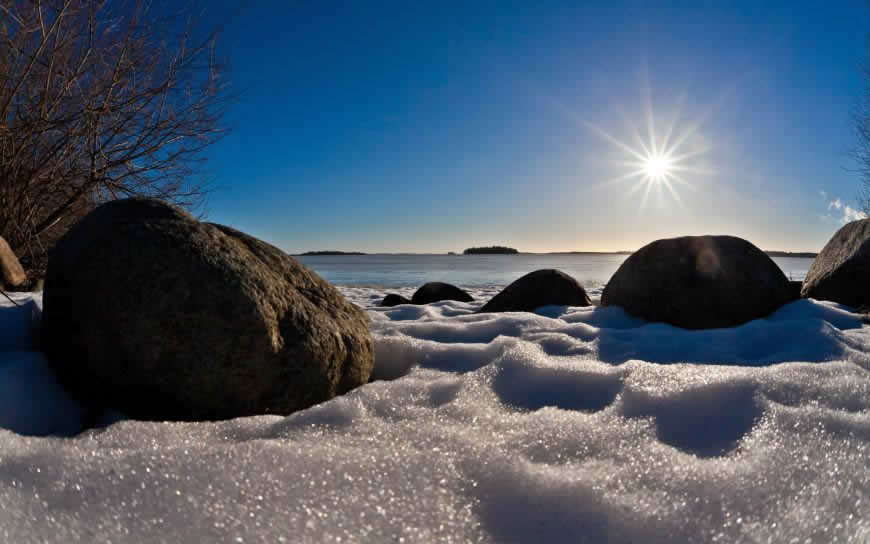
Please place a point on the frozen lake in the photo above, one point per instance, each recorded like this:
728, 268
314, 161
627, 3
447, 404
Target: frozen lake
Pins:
572, 424
480, 270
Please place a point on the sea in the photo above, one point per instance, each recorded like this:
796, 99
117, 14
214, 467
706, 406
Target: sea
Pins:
413, 270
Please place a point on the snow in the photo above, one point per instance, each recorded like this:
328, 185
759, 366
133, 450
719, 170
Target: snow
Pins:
568, 425
31, 400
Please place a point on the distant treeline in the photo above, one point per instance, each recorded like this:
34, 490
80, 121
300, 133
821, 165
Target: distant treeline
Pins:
790, 254
332, 253
501, 250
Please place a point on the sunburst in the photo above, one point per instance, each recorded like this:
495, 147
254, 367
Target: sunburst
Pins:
658, 161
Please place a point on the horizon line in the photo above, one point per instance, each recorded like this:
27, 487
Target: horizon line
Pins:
338, 253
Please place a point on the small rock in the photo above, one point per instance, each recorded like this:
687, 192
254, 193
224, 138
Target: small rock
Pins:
394, 300
795, 288
536, 289
437, 291
11, 272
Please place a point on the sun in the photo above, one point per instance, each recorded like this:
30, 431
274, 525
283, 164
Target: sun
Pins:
657, 167
658, 161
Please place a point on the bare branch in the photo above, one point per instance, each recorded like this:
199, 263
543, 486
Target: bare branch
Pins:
99, 100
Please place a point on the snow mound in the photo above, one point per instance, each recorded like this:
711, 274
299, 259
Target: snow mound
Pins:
568, 425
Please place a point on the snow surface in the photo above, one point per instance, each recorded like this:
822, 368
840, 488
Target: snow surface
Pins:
569, 425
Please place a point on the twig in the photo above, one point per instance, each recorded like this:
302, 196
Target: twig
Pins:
5, 294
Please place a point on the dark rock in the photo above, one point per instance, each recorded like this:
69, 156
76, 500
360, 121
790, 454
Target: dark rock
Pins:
200, 321
11, 273
841, 272
436, 292
394, 300
536, 289
795, 289
698, 282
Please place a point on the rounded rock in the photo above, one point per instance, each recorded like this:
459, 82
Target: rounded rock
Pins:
699, 282
437, 291
536, 289
394, 300
199, 321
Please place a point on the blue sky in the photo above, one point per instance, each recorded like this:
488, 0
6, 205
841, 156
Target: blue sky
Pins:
404, 127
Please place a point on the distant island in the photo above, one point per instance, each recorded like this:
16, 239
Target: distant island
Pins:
310, 253
491, 250
806, 255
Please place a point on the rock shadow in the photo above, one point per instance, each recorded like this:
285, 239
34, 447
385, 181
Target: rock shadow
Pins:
800, 331
709, 421
517, 505
532, 388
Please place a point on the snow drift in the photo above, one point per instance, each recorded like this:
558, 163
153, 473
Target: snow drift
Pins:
568, 425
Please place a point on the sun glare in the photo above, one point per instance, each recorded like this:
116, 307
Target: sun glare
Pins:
658, 160
657, 167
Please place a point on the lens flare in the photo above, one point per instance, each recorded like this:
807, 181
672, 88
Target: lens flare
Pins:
658, 160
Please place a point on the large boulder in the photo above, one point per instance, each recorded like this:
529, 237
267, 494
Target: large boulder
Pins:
200, 321
393, 299
436, 291
11, 273
841, 272
698, 282
536, 289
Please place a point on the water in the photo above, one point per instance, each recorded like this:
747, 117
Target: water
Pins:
479, 270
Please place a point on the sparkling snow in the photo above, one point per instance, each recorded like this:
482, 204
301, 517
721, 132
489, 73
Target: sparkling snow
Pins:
569, 425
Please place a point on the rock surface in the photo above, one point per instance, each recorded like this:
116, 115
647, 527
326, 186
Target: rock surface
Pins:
437, 291
841, 272
200, 321
11, 273
536, 289
394, 300
698, 282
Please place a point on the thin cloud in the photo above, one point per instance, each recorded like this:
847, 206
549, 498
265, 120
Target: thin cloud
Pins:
848, 212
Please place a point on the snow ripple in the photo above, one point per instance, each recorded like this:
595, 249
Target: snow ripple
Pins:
568, 425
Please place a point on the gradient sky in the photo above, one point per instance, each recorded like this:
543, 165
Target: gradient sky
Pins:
398, 128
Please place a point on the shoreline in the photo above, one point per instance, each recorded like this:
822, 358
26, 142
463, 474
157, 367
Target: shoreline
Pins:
769, 253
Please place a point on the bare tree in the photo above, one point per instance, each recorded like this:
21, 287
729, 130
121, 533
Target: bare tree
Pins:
99, 100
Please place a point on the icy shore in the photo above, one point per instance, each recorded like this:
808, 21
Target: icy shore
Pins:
569, 425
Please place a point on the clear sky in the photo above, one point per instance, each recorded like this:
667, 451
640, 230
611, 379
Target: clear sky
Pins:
399, 128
